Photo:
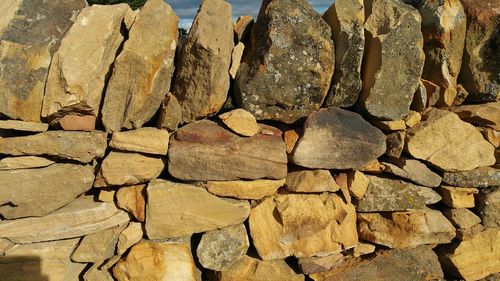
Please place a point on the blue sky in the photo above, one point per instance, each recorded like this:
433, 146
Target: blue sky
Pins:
186, 9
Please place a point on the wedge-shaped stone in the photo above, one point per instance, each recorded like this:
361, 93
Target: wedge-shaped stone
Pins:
150, 260
99, 246
405, 229
37, 192
23, 126
286, 73
357, 183
458, 197
175, 209
478, 178
311, 181
145, 140
96, 274
24, 162
395, 144
30, 33
256, 189
241, 122
82, 216
485, 115
80, 146
394, 58
488, 207
338, 139
461, 218
122, 168
202, 78
129, 237
205, 151
242, 28
412, 170
133, 200
302, 225
170, 113
143, 70
310, 265
385, 194
447, 142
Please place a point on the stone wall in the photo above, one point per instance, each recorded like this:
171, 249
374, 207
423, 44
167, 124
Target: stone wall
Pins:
361, 144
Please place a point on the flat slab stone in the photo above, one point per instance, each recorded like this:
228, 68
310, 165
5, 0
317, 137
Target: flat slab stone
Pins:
23, 126
144, 140
24, 162
479, 178
412, 170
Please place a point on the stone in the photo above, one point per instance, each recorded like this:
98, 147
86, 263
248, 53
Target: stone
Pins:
142, 71
479, 73
96, 274
133, 200
419, 102
485, 115
144, 140
478, 178
79, 146
462, 94
286, 73
311, 265
241, 122
107, 195
373, 166
475, 258
448, 143
280, 227
363, 249
129, 237
311, 181
236, 59
394, 59
458, 197
24, 162
357, 183
149, 260
126, 168
170, 113
80, 217
488, 207
40, 261
412, 170
469, 233
38, 192
175, 209
290, 137
206, 151
493, 136
342, 180
243, 27
395, 144
419, 263
346, 19
390, 126
461, 217
75, 122
337, 139
433, 92
385, 194
79, 68
221, 249
256, 189
5, 244
412, 119
23, 126
405, 229
99, 246
30, 33
202, 79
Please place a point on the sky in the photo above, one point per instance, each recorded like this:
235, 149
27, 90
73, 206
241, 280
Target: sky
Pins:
186, 9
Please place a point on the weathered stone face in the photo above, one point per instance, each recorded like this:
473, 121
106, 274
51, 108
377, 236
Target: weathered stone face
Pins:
488, 207
286, 73
412, 170
478, 178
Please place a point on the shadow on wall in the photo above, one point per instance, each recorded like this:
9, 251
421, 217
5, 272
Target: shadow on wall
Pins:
21, 268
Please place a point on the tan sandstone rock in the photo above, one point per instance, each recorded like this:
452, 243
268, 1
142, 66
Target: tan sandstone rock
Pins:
23, 126
485, 115
24, 162
311, 181
412, 170
461, 217
256, 189
458, 197
133, 200
357, 183
170, 113
241, 122
129, 237
311, 265
236, 59
99, 246
144, 140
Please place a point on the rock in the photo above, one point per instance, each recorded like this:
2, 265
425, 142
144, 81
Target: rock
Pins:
80, 217
142, 71
133, 200
252, 269
290, 137
493, 136
385, 194
475, 258
5, 244
40, 261
99, 246
363, 249
144, 140
395, 144
412, 170
346, 19
433, 92
311, 181
488, 207
337, 139
107, 195
221, 249
479, 73
458, 197
23, 126
80, 67
419, 102
202, 80
176, 209
170, 113
478, 178
443, 28
342, 181
420, 263
30, 33
373, 166
205, 151
311, 265
448, 143
461, 218
24, 162
72, 122
129, 237
405, 229
241, 122
390, 126
358, 184
286, 73
486, 115
280, 227
243, 27
79, 146
236, 59
394, 59
96, 274
38, 192
149, 260
256, 189
469, 233
462, 94
125, 168
412, 119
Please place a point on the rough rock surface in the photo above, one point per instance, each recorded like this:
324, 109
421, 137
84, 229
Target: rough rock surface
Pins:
133, 199
458, 197
144, 140
412, 170
170, 113
309, 265
286, 73
311, 181
97, 247
24, 162
256, 189
462, 217
357, 183
338, 139
395, 144
241, 122
23, 126
129, 237
488, 207
478, 178
485, 115
236, 56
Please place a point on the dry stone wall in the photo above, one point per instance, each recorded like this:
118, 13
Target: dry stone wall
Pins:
361, 144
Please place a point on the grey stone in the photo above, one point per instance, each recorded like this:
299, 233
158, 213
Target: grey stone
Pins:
478, 178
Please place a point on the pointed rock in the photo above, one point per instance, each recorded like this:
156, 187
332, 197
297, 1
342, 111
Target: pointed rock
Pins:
170, 113
242, 28
144, 140
256, 189
478, 178
311, 181
395, 144
96, 274
412, 170
133, 200
24, 162
99, 246
236, 59
129, 237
